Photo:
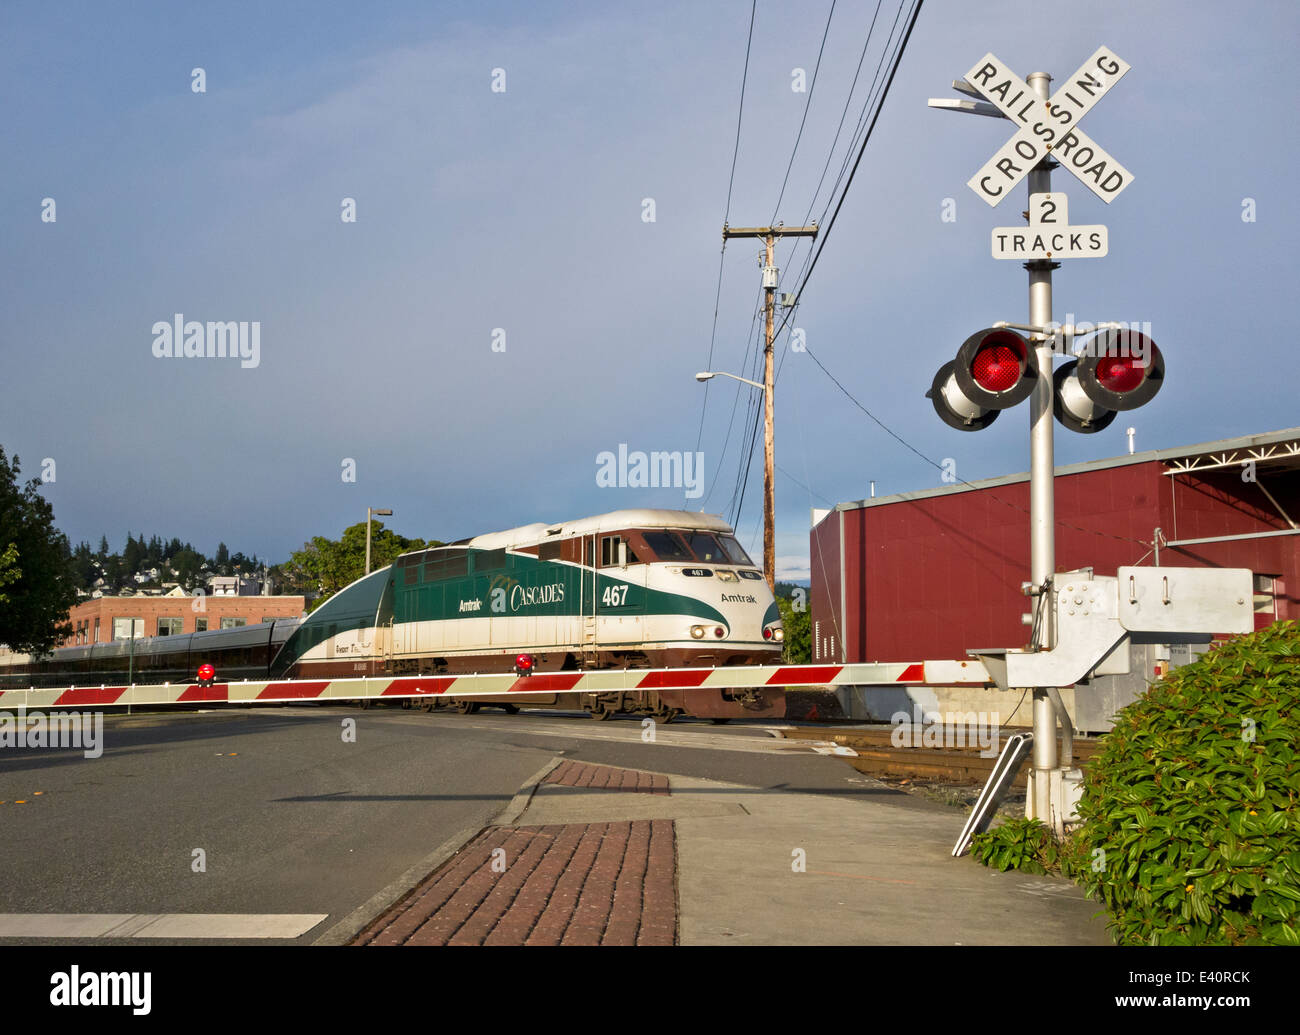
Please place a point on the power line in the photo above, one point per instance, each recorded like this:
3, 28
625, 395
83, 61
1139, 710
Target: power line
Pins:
896, 62
806, 105
826, 231
731, 183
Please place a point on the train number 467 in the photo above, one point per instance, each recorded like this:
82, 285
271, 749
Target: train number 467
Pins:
614, 596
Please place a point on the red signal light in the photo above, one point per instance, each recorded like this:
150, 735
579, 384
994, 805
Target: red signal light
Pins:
993, 370
524, 664
206, 674
1119, 374
1121, 369
996, 367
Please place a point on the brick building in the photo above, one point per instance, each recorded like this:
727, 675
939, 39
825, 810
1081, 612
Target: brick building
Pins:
110, 618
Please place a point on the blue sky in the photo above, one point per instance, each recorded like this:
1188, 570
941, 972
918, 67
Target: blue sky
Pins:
522, 210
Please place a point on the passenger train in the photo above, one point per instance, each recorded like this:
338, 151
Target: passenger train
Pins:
628, 589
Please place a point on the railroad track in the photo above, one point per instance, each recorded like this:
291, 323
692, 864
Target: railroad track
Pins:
877, 756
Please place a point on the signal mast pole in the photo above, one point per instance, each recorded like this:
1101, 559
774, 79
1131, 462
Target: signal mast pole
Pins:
1042, 500
769, 235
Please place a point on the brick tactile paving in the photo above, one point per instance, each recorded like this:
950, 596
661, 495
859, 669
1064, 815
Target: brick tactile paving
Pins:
603, 777
564, 884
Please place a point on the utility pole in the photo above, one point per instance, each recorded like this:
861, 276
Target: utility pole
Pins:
770, 272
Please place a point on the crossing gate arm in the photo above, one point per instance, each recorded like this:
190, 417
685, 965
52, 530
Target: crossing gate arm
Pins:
288, 691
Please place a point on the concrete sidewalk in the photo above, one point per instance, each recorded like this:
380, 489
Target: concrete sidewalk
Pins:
753, 867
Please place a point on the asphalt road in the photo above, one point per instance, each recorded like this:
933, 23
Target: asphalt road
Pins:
293, 819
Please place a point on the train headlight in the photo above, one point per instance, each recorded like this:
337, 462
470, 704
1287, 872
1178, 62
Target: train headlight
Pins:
697, 632
778, 635
727, 576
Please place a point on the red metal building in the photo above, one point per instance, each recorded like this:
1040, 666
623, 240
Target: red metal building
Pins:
930, 574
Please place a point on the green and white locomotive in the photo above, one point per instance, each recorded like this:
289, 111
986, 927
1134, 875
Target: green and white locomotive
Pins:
628, 589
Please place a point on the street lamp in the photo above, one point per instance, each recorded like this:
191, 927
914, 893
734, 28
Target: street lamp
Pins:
704, 375
769, 462
379, 513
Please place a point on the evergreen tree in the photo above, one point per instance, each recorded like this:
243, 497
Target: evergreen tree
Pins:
133, 555
35, 563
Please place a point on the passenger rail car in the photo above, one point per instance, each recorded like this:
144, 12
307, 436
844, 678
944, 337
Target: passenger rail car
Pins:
242, 653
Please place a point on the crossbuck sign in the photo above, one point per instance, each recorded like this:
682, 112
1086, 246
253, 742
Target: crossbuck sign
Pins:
1049, 127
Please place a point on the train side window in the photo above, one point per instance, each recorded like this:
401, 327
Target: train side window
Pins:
549, 551
616, 551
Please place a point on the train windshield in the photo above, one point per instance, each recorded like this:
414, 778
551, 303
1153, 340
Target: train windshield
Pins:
734, 551
667, 546
706, 548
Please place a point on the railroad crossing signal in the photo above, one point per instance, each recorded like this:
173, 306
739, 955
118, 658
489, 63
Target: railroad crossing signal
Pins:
1049, 235
993, 370
1049, 127
1118, 369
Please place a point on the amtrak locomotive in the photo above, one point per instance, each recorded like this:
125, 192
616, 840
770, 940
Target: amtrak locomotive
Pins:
629, 589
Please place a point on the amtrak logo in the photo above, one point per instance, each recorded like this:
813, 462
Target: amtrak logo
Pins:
738, 598
471, 605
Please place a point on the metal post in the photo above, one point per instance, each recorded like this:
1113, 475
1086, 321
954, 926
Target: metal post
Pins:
368, 540
1042, 510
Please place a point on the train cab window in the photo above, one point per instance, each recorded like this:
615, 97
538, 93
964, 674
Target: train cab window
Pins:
232, 623
170, 626
667, 546
706, 548
612, 553
734, 551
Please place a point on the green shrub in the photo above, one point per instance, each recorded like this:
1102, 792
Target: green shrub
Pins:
1017, 844
1191, 811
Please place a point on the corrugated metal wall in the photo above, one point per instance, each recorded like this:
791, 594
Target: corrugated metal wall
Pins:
930, 578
